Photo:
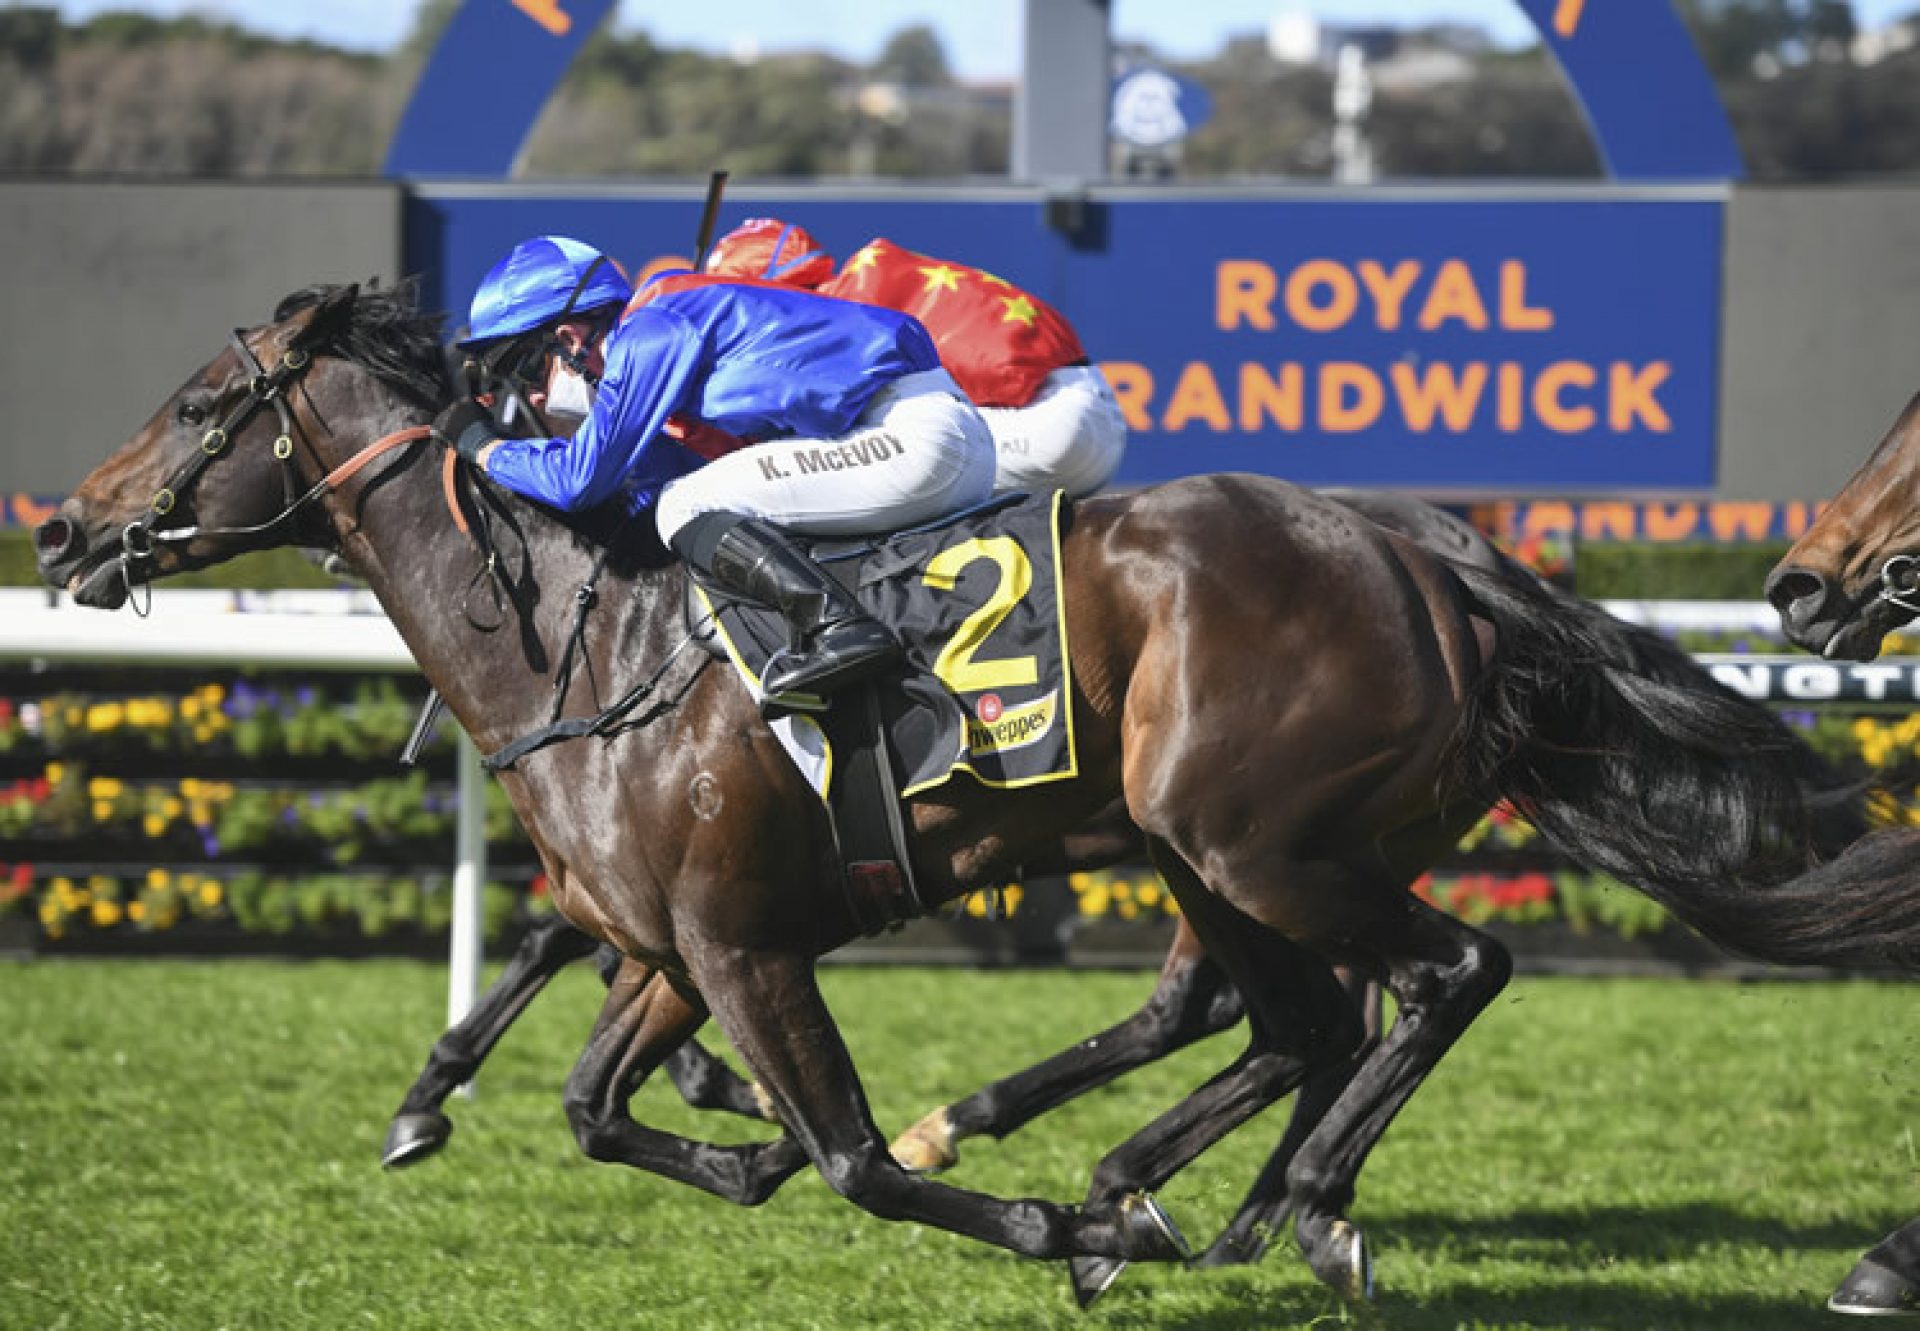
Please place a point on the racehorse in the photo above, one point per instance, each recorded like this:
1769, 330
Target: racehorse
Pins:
1850, 580
1294, 704
1191, 999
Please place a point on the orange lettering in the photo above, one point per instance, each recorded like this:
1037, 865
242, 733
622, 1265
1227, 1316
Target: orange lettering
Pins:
1262, 396
1196, 396
1454, 296
1343, 295
1751, 522
1243, 290
1633, 396
1338, 379
1512, 383
548, 14
1602, 521
1438, 391
1132, 384
1515, 313
1546, 397
1670, 523
1547, 518
1389, 290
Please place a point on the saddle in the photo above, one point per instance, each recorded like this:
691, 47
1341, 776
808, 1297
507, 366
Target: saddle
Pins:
975, 601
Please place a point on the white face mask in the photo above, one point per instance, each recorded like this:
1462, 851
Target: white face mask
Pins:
568, 394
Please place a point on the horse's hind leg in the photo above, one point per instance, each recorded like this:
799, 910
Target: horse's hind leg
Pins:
1441, 973
1265, 1209
419, 1128
1191, 1001
644, 1020
1301, 1019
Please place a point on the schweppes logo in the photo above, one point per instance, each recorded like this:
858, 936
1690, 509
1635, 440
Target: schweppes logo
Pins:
998, 729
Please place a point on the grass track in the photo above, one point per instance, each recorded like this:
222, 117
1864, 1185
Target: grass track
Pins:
194, 1146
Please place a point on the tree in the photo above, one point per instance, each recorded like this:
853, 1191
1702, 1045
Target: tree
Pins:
914, 57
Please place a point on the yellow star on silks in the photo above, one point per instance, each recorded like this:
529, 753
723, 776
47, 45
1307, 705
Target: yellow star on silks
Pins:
942, 278
865, 259
1019, 310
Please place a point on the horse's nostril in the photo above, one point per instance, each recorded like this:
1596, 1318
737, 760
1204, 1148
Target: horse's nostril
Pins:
1790, 587
53, 538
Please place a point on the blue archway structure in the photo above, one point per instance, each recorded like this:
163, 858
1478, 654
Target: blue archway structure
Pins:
1457, 339
1653, 110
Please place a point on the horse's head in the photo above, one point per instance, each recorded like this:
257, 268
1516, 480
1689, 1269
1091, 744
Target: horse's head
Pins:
222, 467
1855, 575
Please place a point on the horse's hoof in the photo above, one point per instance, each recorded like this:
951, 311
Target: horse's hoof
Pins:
1338, 1255
1872, 1290
411, 1138
1147, 1232
1092, 1277
927, 1146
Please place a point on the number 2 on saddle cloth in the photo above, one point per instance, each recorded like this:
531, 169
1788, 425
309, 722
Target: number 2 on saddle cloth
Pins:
976, 601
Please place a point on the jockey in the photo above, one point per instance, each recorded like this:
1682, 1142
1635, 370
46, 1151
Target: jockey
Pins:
861, 431
1055, 421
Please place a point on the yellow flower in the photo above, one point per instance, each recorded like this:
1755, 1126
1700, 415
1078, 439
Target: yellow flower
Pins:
154, 824
1095, 901
106, 914
158, 878
102, 810
189, 708
210, 893
137, 911
105, 787
105, 716
56, 772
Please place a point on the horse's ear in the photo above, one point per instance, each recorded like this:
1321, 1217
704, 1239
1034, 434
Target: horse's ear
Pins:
329, 316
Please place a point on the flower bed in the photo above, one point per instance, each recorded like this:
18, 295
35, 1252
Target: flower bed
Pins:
271, 807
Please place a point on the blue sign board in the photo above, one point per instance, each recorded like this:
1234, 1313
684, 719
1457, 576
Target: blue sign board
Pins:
1547, 345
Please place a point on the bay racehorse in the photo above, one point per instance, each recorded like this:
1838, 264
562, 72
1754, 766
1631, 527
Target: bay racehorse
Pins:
1294, 704
1191, 999
1850, 580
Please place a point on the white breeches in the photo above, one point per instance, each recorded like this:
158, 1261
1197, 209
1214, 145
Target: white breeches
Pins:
1070, 437
918, 452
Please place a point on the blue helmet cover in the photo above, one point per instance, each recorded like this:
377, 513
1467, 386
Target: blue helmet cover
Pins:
533, 284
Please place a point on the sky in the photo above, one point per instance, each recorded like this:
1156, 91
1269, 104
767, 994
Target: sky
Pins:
981, 36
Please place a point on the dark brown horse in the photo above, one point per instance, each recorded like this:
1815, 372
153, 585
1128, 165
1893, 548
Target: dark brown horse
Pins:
1191, 999
1295, 705
1851, 580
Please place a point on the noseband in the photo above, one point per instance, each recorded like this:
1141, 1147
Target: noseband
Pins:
140, 539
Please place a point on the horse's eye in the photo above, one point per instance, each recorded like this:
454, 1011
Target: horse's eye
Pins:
192, 415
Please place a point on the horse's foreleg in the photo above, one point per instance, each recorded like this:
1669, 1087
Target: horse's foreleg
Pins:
646, 1019
1264, 1211
706, 1082
1885, 1282
1442, 973
419, 1128
1191, 1001
770, 1007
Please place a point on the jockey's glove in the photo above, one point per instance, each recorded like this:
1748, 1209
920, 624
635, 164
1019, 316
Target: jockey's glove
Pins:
466, 427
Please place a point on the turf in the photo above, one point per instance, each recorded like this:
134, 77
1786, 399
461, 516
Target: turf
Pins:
194, 1146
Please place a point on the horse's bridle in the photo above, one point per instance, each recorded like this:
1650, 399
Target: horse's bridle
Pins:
1900, 582
142, 536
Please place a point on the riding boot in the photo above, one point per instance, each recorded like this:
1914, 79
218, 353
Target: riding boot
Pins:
833, 642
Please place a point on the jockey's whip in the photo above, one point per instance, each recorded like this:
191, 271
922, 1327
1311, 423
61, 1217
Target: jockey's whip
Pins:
716, 185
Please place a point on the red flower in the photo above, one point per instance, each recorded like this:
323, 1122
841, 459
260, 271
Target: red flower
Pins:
538, 887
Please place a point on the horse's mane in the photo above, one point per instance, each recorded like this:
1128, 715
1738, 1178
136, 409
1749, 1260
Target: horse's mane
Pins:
387, 335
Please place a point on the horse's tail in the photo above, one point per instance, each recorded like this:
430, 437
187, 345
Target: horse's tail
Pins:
1637, 763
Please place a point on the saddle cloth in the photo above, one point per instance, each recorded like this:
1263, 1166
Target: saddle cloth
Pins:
976, 601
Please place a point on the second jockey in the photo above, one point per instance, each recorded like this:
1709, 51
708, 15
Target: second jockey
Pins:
861, 431
1055, 421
